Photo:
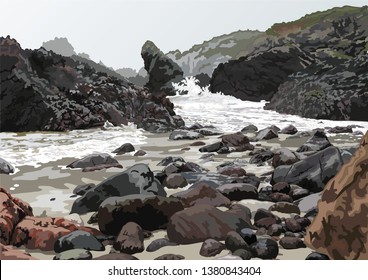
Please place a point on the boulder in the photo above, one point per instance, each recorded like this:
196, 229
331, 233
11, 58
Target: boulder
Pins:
212, 147
130, 239
341, 129
317, 142
311, 173
138, 179
5, 167
340, 229
285, 207
8, 252
12, 211
283, 156
78, 239
169, 257
259, 157
292, 243
180, 134
201, 222
74, 254
238, 191
123, 149
211, 247
290, 129
159, 243
234, 171
317, 256
266, 249
170, 159
281, 187
266, 134
202, 193
95, 162
116, 256
162, 70
149, 211
238, 141
234, 241
250, 128
174, 181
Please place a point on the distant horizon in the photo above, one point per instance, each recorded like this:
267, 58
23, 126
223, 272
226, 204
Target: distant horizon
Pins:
115, 31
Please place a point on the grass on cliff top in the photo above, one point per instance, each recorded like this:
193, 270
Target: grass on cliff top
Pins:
310, 19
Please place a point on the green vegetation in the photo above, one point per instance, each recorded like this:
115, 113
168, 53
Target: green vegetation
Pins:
311, 19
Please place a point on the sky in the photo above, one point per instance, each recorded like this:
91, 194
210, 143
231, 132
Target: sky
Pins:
114, 31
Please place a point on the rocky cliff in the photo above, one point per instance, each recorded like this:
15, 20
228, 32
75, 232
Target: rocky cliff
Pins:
314, 67
204, 58
41, 90
340, 229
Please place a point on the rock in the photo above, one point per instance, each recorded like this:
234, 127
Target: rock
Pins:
149, 211
317, 256
340, 129
74, 94
241, 211
347, 153
299, 193
232, 171
138, 179
250, 128
211, 247
259, 157
292, 225
201, 193
74, 218
276, 197
95, 162
244, 254
317, 142
78, 240
82, 189
93, 219
8, 252
12, 211
265, 222
260, 73
201, 222
308, 202
140, 153
290, 129
5, 167
292, 243
42, 233
168, 257
130, 239
340, 229
174, 181
180, 134
208, 131
229, 257
162, 70
303, 221
285, 207
248, 235
192, 167
234, 241
275, 230
123, 149
313, 172
283, 156
238, 191
263, 213
116, 256
212, 147
238, 141
198, 143
159, 243
266, 134
74, 254
167, 160
266, 249
281, 187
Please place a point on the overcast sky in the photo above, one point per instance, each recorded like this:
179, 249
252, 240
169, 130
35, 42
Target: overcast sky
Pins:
114, 31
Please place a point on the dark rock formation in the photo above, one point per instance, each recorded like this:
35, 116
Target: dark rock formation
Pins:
45, 91
162, 70
95, 162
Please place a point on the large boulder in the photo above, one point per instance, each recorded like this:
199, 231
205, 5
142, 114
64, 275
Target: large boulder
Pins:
311, 173
340, 229
161, 69
201, 222
138, 179
95, 162
317, 142
12, 211
5, 167
149, 211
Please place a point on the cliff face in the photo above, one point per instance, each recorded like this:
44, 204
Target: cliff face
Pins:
204, 58
314, 67
41, 90
340, 229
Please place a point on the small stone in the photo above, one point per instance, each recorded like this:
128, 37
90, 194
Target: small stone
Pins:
281, 187
211, 247
234, 241
317, 256
265, 249
159, 243
170, 257
248, 235
292, 243
74, 254
130, 239
275, 230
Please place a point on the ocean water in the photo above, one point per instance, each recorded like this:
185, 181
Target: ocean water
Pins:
199, 105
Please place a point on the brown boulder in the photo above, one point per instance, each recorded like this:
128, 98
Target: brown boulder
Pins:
130, 239
237, 140
340, 229
42, 233
201, 222
11, 253
12, 211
